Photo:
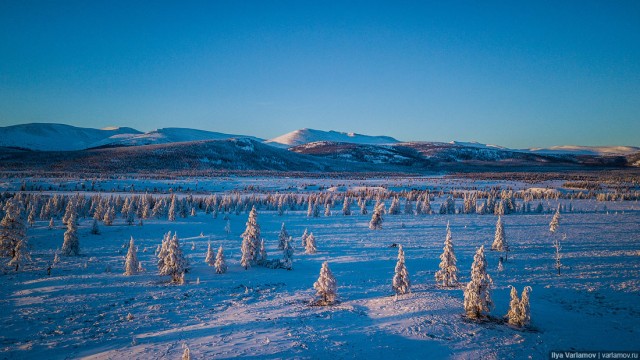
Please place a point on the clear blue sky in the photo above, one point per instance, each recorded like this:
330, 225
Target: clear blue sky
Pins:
514, 73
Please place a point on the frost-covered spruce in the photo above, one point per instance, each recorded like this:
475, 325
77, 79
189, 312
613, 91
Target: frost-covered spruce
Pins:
282, 237
326, 286
363, 207
209, 259
220, 264
109, 216
376, 218
51, 224
500, 240
310, 247
131, 264
525, 308
186, 355
287, 254
555, 221
21, 254
305, 235
327, 209
477, 294
448, 273
346, 206
12, 228
401, 284
172, 262
513, 315
262, 256
394, 209
250, 240
71, 244
172, 209
94, 228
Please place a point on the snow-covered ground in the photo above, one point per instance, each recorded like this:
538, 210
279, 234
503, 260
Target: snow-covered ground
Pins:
82, 308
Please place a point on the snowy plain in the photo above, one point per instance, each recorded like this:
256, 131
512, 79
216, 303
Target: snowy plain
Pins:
81, 310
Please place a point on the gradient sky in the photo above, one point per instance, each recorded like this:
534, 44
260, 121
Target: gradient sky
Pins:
513, 73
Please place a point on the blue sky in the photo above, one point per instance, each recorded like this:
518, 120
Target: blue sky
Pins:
517, 74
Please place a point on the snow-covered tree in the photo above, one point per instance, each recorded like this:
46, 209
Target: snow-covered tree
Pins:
394, 209
171, 259
346, 206
310, 247
227, 227
250, 240
477, 294
519, 313
262, 255
327, 209
555, 221
220, 264
282, 237
448, 273
172, 209
131, 263
326, 286
186, 355
363, 207
287, 254
305, 235
376, 217
525, 308
500, 240
210, 259
51, 224
12, 228
558, 255
94, 228
109, 216
21, 254
71, 244
401, 284
514, 315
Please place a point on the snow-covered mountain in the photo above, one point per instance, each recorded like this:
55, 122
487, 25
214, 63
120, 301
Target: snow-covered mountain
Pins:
60, 137
167, 136
50, 137
305, 136
587, 150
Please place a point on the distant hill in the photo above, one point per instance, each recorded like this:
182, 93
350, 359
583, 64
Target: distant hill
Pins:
45, 136
305, 136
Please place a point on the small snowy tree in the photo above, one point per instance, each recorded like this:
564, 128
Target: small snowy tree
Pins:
555, 221
287, 254
262, 257
500, 241
282, 237
310, 247
305, 235
346, 206
220, 264
376, 218
172, 261
51, 224
12, 228
448, 273
209, 259
21, 254
519, 310
394, 209
525, 308
251, 240
71, 244
172, 209
477, 294
558, 256
94, 228
109, 216
401, 284
186, 355
326, 286
131, 263
514, 315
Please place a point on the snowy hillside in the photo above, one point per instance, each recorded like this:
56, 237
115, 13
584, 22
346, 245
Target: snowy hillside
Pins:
44, 136
305, 136
166, 136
